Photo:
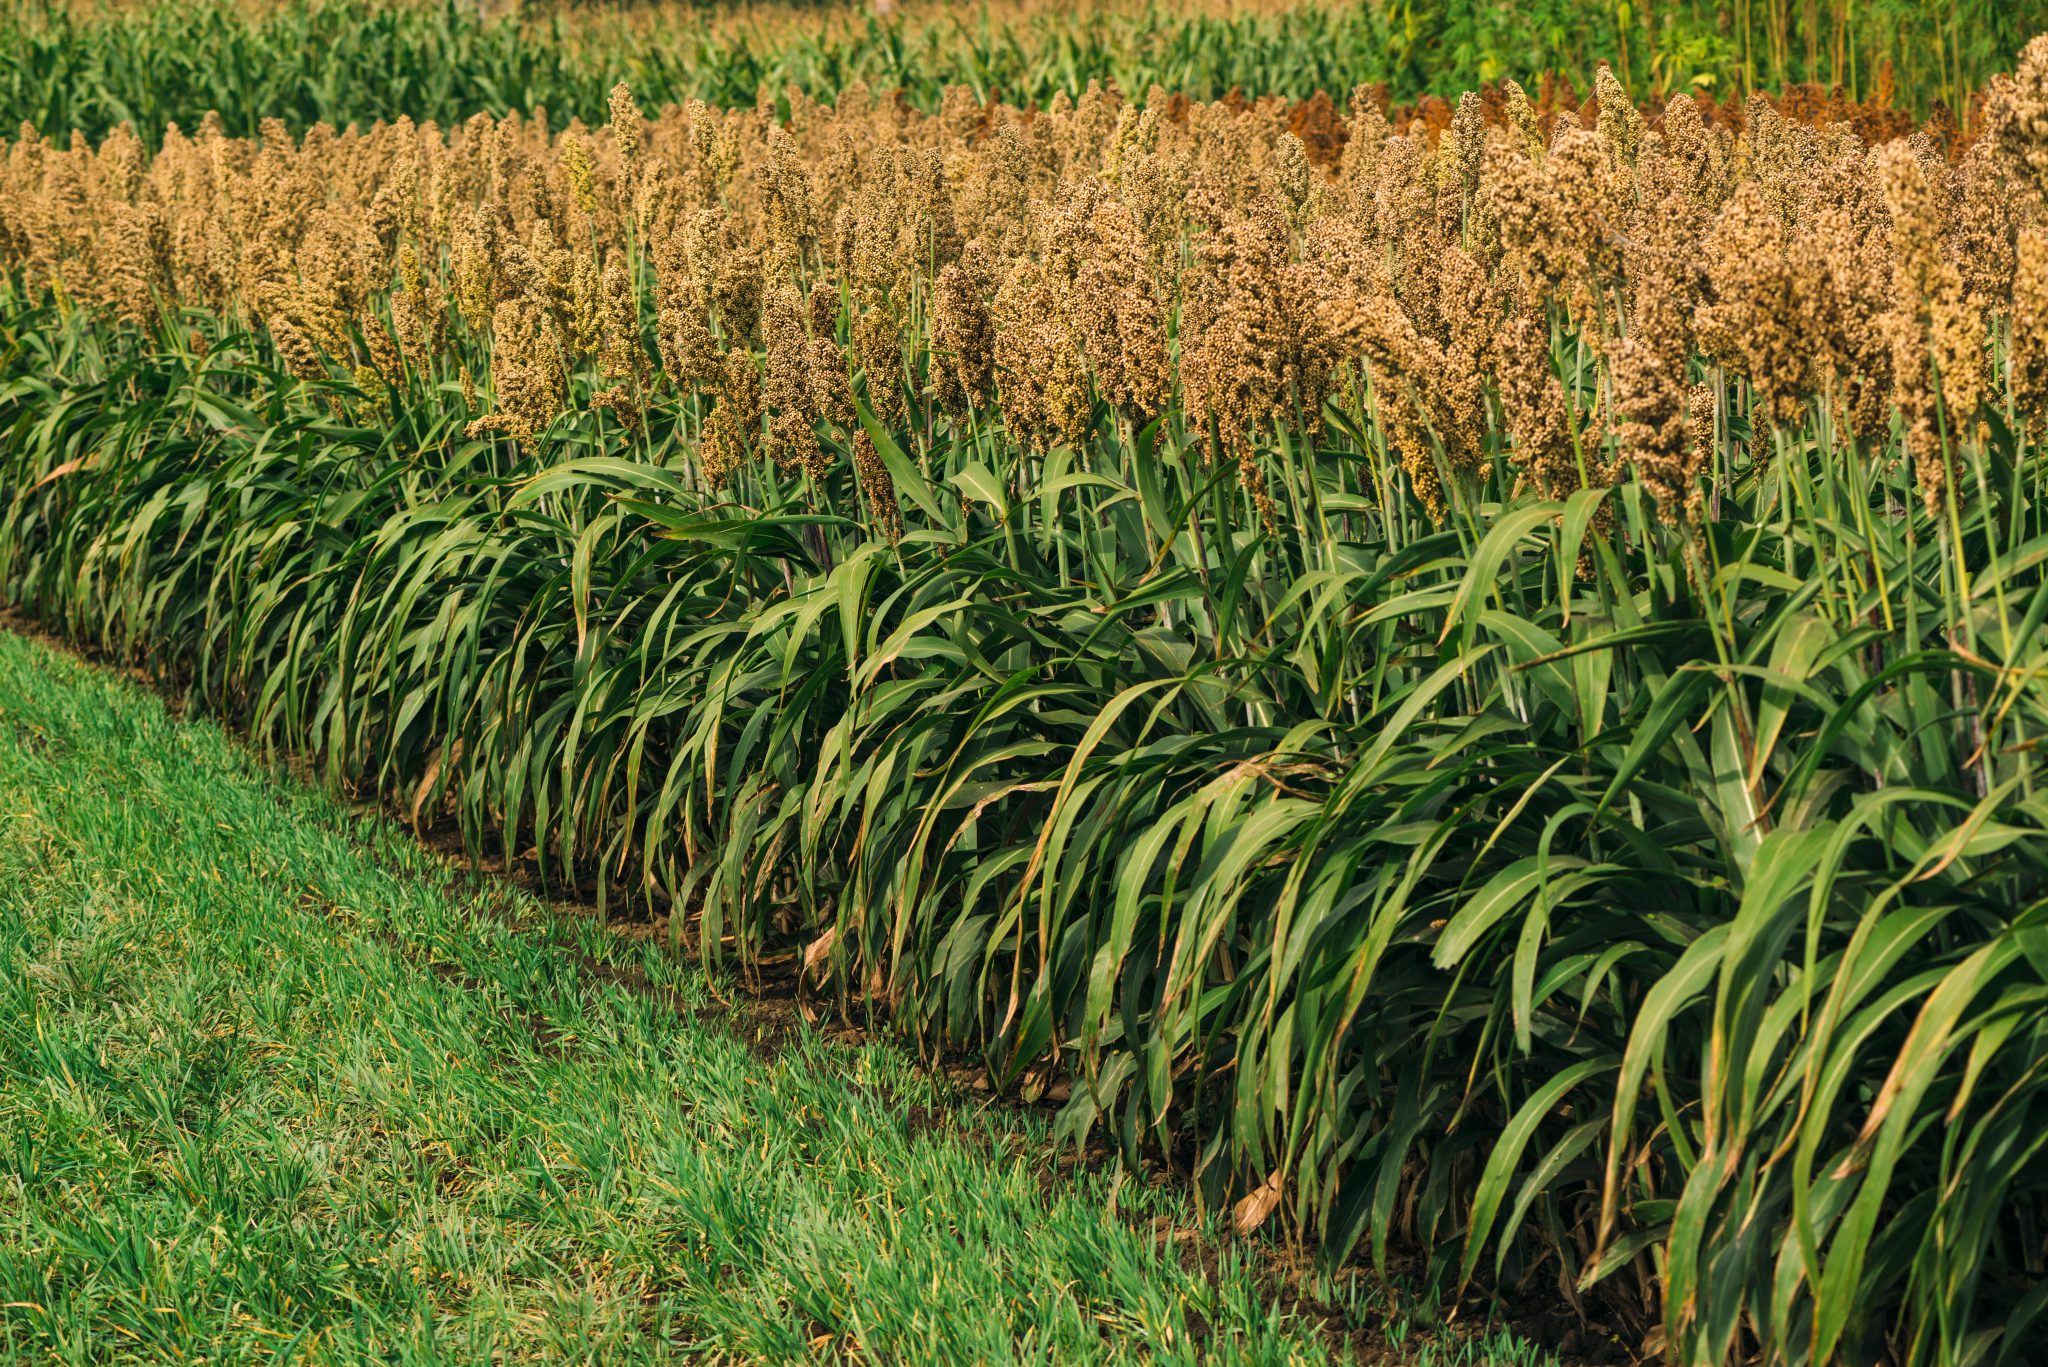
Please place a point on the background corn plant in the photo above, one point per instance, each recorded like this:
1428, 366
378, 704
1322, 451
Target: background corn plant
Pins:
65, 66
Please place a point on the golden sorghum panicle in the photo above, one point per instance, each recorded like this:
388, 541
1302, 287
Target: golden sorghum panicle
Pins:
1704, 156
430, 316
963, 342
831, 388
1471, 313
1258, 344
1929, 280
960, 116
412, 331
788, 390
1296, 177
877, 485
995, 190
1594, 199
1534, 405
1404, 201
1784, 158
930, 204
1120, 317
2029, 339
682, 313
540, 269
1124, 143
1650, 395
620, 351
619, 402
736, 288
1233, 332
705, 169
1756, 318
139, 268
1407, 439
1701, 427
1982, 230
526, 371
586, 306
628, 128
1849, 248
2015, 128
1403, 363
301, 358
833, 394
879, 273
792, 221
1365, 136
1152, 180
1044, 382
375, 405
1937, 357
1521, 117
577, 168
735, 419
823, 306
877, 335
1620, 122
1467, 147
1560, 219
382, 350
476, 270
1426, 381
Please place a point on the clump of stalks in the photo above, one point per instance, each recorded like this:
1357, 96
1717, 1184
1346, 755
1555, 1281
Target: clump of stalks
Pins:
1490, 687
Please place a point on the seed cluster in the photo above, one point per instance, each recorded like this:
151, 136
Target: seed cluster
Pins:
1080, 270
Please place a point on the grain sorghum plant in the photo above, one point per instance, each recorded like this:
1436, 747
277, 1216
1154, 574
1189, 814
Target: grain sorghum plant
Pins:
1408, 674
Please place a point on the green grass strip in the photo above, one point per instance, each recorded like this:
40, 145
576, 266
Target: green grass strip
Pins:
277, 1085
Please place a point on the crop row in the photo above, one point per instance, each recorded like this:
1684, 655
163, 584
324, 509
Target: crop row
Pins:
1482, 700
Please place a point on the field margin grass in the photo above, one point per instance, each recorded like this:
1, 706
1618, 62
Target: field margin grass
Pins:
221, 1094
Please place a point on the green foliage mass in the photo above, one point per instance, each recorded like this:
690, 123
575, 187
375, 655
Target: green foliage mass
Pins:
358, 61
276, 1085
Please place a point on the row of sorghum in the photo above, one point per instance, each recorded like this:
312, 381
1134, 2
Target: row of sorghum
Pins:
1097, 264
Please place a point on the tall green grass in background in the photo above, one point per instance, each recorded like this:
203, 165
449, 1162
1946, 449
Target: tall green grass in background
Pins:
343, 61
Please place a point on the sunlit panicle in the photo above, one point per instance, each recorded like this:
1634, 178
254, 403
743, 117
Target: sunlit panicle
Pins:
578, 169
1651, 395
788, 389
1120, 317
621, 353
1521, 118
1936, 342
475, 268
1534, 407
735, 423
1703, 154
527, 375
628, 128
2028, 334
1756, 315
2015, 128
301, 358
1620, 122
963, 342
